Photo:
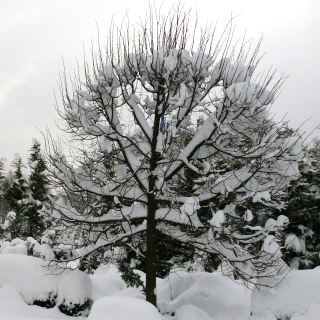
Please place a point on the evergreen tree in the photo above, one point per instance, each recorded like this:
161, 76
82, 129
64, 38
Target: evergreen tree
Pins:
303, 233
16, 195
26, 196
38, 185
2, 177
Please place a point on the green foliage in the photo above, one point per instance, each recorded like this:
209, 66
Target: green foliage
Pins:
303, 212
2, 176
27, 195
15, 196
131, 278
75, 309
38, 184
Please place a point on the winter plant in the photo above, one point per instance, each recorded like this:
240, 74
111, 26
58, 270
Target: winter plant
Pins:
165, 106
26, 196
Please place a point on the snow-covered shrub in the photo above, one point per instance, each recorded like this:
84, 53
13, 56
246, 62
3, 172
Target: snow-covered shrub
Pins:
36, 249
188, 312
123, 308
4, 244
15, 246
36, 283
214, 294
17, 249
107, 281
44, 285
292, 297
29, 247
74, 293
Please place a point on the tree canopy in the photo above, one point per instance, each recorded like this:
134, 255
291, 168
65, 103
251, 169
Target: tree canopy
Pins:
202, 118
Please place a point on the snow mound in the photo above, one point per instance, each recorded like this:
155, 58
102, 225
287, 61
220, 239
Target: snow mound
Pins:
45, 286
264, 315
190, 312
216, 295
123, 308
313, 313
17, 249
106, 281
294, 296
13, 307
10, 298
32, 280
74, 293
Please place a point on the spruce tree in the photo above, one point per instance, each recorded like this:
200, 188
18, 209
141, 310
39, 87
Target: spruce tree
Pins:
2, 177
16, 196
26, 196
303, 232
38, 185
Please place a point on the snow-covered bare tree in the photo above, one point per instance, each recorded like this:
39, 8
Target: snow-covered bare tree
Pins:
199, 111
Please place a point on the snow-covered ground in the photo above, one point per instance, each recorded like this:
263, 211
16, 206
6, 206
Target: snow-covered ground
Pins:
181, 296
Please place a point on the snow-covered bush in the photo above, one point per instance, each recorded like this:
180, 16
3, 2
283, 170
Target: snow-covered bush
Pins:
36, 249
29, 247
214, 294
74, 293
123, 308
292, 297
36, 283
17, 249
44, 285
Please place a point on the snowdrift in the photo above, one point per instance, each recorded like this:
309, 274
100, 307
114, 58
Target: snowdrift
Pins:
297, 297
26, 282
217, 296
46, 286
123, 308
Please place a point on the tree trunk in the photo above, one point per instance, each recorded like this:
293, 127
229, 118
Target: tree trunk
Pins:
151, 256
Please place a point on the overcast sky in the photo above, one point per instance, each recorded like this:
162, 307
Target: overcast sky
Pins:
35, 35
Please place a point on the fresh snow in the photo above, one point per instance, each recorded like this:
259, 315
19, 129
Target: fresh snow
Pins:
13, 307
35, 280
216, 295
181, 296
123, 308
29, 275
74, 287
294, 296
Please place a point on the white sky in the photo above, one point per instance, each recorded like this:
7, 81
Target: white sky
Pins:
35, 35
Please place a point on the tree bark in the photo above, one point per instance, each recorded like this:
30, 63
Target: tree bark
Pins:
151, 256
